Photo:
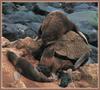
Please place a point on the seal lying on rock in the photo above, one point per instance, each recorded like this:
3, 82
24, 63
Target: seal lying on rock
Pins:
70, 48
70, 51
54, 26
26, 69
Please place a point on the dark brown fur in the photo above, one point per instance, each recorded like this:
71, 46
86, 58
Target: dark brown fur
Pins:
26, 68
54, 26
54, 63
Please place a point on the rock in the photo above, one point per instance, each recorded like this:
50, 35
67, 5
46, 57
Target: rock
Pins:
55, 4
87, 23
85, 77
17, 31
46, 7
5, 42
22, 17
8, 75
34, 27
68, 7
30, 5
90, 74
22, 8
8, 8
84, 7
14, 31
26, 42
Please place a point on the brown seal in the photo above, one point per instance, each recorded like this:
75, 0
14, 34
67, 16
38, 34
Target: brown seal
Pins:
26, 69
55, 25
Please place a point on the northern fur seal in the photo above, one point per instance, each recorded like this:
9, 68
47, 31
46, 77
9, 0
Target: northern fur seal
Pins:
26, 69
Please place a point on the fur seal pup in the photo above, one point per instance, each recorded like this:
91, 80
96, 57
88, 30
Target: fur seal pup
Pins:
26, 69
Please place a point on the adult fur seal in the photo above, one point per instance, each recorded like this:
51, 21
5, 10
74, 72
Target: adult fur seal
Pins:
26, 69
55, 25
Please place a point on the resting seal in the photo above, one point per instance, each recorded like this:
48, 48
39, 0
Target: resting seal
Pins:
26, 69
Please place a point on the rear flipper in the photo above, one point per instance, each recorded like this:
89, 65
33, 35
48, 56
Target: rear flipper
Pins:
44, 69
82, 60
65, 79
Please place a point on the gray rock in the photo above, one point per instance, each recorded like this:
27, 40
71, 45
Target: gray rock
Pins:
47, 8
8, 7
16, 31
10, 31
29, 5
22, 17
55, 4
22, 8
34, 27
87, 22
84, 7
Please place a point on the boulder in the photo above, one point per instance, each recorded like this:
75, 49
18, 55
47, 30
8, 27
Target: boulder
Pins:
5, 42
84, 77
46, 7
55, 4
16, 31
87, 22
22, 17
84, 7
8, 7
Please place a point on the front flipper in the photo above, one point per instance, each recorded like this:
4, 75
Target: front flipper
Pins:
46, 56
82, 60
46, 62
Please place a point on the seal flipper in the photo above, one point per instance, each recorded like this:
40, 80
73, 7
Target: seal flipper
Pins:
82, 60
65, 79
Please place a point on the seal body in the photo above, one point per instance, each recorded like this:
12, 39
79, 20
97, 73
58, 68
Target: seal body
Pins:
26, 69
54, 26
